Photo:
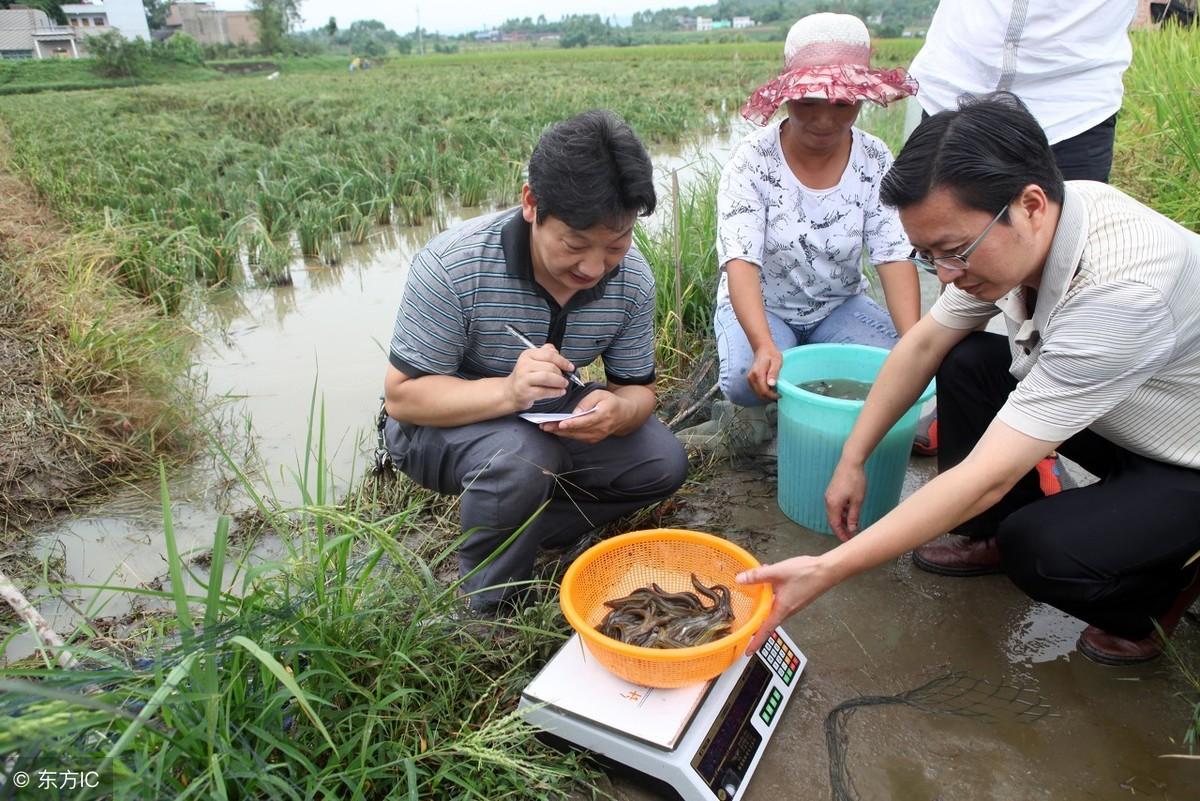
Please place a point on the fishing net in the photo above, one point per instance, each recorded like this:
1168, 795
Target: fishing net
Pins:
955, 693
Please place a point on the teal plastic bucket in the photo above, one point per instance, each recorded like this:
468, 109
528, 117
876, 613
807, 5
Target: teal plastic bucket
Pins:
813, 428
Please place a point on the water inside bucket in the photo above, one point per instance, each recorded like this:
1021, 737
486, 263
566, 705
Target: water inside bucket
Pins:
841, 388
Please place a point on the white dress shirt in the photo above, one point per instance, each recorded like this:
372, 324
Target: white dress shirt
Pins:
1063, 58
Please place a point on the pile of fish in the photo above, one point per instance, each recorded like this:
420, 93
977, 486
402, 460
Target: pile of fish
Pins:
653, 618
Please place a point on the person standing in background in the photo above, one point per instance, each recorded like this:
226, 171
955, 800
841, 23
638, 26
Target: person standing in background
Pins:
1064, 60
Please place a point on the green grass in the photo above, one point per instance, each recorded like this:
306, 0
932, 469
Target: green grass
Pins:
60, 75
1189, 670
343, 670
1157, 151
95, 387
191, 169
286, 64
894, 52
886, 123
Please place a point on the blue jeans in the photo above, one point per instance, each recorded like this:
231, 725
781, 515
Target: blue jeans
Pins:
858, 320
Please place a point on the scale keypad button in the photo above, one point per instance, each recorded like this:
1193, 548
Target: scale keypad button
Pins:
767, 714
780, 658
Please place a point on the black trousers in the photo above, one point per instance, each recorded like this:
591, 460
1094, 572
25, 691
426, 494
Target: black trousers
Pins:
1084, 157
504, 469
1112, 553
1087, 156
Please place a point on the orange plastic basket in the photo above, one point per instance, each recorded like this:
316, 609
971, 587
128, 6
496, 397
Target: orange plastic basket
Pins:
667, 556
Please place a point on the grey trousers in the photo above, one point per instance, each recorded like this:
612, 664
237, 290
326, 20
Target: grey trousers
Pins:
505, 469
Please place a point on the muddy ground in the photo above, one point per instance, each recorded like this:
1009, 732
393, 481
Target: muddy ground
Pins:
1093, 733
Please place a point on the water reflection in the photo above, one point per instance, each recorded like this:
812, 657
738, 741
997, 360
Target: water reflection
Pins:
1042, 634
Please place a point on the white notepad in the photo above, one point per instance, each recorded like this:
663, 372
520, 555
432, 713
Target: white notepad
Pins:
552, 417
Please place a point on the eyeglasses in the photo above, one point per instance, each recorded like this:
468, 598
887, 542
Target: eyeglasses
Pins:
958, 261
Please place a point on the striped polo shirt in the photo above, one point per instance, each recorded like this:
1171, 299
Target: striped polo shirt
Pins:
472, 280
1114, 341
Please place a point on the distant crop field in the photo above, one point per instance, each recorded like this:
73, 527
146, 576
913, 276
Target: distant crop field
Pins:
60, 75
190, 179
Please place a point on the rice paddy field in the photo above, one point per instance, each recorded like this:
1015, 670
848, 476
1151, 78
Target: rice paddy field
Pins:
337, 665
193, 181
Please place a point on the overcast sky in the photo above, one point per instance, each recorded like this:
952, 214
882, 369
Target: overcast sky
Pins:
457, 16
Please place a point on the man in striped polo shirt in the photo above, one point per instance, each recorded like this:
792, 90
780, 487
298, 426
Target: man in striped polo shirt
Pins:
1101, 297
497, 314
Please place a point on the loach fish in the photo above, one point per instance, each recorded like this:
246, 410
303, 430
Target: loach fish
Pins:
651, 617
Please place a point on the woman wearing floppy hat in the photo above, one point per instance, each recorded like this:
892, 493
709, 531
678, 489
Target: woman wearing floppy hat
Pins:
798, 201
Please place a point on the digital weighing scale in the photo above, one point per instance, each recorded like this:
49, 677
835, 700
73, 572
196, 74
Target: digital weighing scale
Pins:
703, 741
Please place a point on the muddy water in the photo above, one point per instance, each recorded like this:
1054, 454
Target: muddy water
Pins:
883, 633
897, 628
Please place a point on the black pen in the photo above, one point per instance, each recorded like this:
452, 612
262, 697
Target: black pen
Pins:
524, 340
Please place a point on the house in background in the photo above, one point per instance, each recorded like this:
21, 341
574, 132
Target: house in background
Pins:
208, 26
126, 17
28, 33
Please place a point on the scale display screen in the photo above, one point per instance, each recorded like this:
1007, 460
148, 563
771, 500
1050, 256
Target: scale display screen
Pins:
725, 754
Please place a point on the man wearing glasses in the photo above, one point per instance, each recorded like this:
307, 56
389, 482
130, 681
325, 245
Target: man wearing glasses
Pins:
1101, 299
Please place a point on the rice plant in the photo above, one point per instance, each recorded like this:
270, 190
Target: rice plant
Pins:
381, 209
314, 225
270, 260
686, 289
509, 177
1157, 152
360, 222
471, 186
197, 158
330, 251
416, 206
886, 123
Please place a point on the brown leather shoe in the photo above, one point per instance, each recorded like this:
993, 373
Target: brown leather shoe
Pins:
1109, 649
956, 555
